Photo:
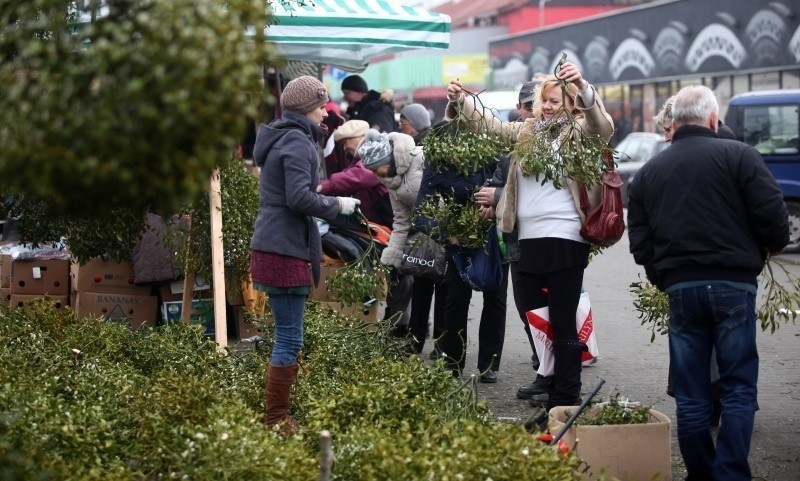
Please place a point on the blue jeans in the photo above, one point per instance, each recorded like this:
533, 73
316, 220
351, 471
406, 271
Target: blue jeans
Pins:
288, 310
714, 314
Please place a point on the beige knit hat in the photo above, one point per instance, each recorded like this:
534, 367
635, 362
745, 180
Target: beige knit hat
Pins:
350, 129
304, 94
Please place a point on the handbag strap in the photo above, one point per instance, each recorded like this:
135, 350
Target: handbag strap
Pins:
608, 166
608, 158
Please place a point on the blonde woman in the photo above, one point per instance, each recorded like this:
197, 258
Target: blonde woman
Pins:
553, 255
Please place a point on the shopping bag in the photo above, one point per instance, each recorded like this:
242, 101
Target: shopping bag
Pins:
539, 320
481, 268
423, 257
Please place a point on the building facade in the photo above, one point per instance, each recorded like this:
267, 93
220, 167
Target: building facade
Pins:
640, 56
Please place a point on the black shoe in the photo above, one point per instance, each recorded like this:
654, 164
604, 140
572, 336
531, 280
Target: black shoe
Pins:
488, 377
399, 331
539, 386
537, 422
539, 400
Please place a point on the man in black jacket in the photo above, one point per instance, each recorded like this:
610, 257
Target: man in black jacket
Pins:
365, 104
703, 216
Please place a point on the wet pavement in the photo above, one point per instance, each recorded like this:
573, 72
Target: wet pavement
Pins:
636, 368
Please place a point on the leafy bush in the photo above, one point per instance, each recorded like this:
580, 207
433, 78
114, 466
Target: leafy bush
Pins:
134, 109
81, 399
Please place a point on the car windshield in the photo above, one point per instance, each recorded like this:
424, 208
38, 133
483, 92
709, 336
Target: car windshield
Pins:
639, 148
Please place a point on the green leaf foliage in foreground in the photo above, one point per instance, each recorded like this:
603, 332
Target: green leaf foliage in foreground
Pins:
132, 110
81, 399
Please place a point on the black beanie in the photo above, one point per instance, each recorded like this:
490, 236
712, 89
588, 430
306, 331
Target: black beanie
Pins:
355, 83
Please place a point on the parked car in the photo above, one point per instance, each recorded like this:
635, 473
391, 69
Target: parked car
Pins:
631, 154
768, 120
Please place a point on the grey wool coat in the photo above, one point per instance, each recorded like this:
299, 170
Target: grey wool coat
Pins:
286, 150
403, 189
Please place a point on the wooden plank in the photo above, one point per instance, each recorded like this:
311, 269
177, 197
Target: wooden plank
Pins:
218, 261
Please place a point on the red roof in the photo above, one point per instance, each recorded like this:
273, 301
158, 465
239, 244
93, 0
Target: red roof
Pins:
460, 11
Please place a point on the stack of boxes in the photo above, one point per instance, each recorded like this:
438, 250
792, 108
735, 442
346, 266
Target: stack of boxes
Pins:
30, 279
105, 288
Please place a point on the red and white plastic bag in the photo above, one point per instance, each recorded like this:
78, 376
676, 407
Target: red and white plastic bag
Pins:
539, 320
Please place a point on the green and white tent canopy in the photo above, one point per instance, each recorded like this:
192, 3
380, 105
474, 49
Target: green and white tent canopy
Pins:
342, 33
349, 33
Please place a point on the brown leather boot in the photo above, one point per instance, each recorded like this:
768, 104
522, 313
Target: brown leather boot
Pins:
279, 382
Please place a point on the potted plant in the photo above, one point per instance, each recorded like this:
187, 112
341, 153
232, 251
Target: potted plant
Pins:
618, 438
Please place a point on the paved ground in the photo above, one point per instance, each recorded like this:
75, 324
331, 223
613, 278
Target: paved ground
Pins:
634, 367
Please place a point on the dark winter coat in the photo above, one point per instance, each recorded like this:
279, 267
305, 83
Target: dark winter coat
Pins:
705, 209
286, 151
451, 184
374, 111
359, 182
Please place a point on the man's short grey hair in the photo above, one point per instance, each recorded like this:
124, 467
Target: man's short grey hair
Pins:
694, 104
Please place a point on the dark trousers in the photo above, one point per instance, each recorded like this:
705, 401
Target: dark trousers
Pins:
519, 302
423, 293
492, 329
398, 299
563, 292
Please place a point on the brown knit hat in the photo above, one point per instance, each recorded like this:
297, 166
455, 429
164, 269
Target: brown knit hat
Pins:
304, 94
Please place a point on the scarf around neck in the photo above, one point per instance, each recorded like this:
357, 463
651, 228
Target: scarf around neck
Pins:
553, 127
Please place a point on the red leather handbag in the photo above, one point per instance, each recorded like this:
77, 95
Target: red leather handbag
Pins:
604, 225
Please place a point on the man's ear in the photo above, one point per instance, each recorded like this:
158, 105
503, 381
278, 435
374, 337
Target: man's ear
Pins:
713, 122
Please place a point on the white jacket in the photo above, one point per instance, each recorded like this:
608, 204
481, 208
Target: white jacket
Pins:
403, 189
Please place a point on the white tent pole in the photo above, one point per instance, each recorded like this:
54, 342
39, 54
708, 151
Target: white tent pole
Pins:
218, 261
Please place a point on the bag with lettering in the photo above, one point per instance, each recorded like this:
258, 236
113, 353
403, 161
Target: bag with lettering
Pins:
423, 257
539, 320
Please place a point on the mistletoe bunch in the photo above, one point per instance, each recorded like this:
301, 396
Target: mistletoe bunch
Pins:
360, 280
574, 154
779, 303
452, 219
467, 145
562, 148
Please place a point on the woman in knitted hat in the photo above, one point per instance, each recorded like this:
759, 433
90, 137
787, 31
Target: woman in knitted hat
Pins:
399, 164
286, 150
355, 180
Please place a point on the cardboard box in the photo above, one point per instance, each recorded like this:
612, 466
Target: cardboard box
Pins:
133, 310
99, 275
166, 295
5, 270
320, 293
358, 311
246, 327
630, 452
5, 296
50, 276
202, 313
21, 300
